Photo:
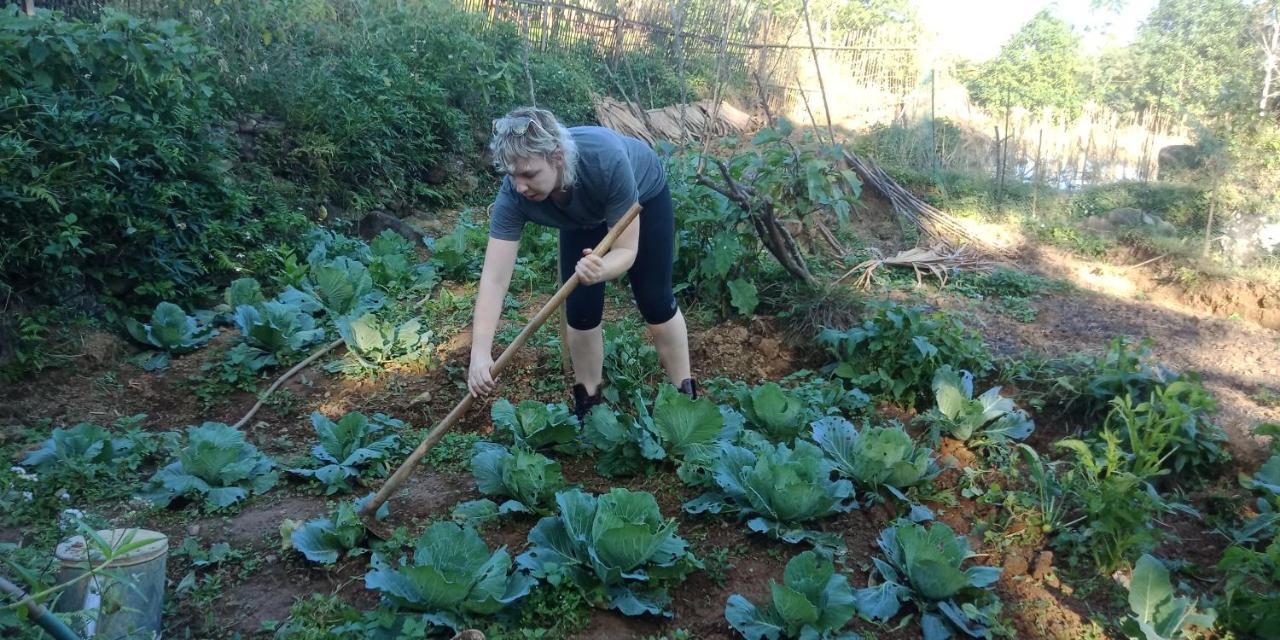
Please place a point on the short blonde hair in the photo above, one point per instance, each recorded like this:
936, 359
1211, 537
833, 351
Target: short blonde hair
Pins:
530, 132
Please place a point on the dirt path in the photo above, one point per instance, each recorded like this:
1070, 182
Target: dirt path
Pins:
1236, 358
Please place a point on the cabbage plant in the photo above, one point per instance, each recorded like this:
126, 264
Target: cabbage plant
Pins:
1157, 613
616, 549
779, 488
243, 291
84, 450
392, 265
813, 602
344, 286
171, 331
923, 565
529, 478
280, 329
217, 467
875, 456
373, 342
626, 446
322, 540
774, 411
535, 425
453, 580
990, 417
349, 446
684, 425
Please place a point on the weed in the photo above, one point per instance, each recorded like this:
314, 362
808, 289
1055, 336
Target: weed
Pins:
1266, 397
452, 453
718, 564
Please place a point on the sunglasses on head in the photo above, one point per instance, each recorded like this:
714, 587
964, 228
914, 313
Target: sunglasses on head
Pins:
517, 125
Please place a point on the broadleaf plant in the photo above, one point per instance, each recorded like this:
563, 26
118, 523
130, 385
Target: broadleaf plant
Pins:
454, 579
83, 450
280, 329
624, 444
923, 565
1157, 614
988, 419
616, 549
774, 411
323, 540
813, 602
217, 466
171, 331
349, 446
373, 342
779, 488
535, 425
529, 478
876, 456
345, 287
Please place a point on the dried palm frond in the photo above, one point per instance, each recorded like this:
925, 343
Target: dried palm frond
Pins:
937, 261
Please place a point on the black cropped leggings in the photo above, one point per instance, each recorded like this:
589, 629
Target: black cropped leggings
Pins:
650, 276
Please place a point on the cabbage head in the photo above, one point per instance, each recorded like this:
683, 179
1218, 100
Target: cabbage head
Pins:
529, 478
217, 466
813, 601
875, 456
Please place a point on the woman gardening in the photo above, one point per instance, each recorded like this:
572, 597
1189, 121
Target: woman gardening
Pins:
581, 181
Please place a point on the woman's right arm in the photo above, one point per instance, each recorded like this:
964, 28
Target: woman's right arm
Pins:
495, 277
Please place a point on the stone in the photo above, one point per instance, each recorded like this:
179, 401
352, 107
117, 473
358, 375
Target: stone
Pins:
1044, 565
1015, 563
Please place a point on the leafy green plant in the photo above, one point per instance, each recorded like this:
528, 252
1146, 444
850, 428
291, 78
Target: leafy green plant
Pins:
530, 479
1157, 613
344, 286
1268, 476
616, 548
217, 467
373, 342
630, 362
280, 329
393, 267
773, 411
1179, 411
923, 565
172, 331
876, 456
455, 254
350, 446
1250, 600
625, 445
685, 427
813, 601
85, 449
243, 291
323, 540
534, 424
779, 488
895, 352
990, 417
1117, 506
454, 578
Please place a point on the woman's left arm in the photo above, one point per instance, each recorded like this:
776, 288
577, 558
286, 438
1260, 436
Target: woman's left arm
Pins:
592, 269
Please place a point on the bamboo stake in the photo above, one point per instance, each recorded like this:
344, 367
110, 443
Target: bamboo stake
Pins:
406, 468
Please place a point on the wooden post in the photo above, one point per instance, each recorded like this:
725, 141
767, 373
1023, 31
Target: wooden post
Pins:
1035, 182
30, 7
813, 48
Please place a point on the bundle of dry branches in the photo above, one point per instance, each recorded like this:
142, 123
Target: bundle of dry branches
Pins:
937, 261
939, 226
677, 123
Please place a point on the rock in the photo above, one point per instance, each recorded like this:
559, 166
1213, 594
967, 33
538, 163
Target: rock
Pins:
469, 634
378, 221
193, 530
1015, 563
1177, 161
1044, 565
101, 347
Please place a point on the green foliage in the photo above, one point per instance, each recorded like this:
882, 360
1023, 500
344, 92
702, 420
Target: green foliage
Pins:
351, 446
625, 444
535, 425
1117, 505
779, 488
923, 565
896, 351
457, 255
630, 361
85, 449
992, 418
1182, 205
1157, 613
322, 540
772, 410
1040, 66
280, 329
454, 578
373, 342
172, 331
1171, 430
1250, 601
813, 601
530, 479
343, 285
875, 456
685, 426
113, 178
217, 467
616, 549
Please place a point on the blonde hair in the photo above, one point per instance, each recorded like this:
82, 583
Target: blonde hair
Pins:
530, 132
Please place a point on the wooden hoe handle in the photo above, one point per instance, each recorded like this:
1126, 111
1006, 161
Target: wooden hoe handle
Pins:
407, 467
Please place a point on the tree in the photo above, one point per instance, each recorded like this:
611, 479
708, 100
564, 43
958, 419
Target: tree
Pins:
1039, 67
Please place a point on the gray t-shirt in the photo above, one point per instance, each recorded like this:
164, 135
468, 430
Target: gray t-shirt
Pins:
614, 172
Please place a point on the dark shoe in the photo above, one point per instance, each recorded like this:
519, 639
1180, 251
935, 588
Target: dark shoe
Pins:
689, 387
582, 403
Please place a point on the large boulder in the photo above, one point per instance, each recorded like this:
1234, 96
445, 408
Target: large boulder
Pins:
1117, 220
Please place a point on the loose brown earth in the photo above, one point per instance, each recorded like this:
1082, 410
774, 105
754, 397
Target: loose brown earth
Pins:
1236, 358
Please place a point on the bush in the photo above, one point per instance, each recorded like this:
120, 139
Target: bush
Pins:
112, 178
1184, 206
